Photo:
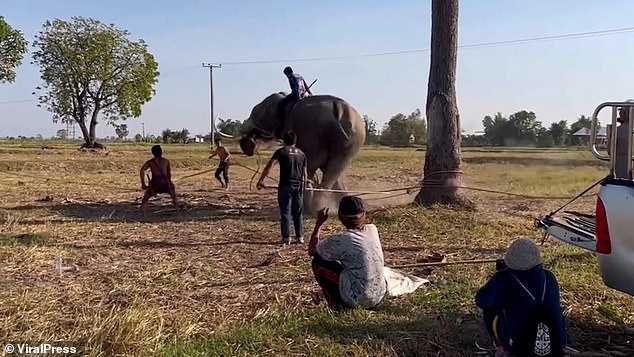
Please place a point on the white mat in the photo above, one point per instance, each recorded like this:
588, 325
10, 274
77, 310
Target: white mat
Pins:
400, 283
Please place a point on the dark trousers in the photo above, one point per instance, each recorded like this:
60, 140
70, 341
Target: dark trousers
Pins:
290, 199
327, 275
495, 325
223, 168
283, 109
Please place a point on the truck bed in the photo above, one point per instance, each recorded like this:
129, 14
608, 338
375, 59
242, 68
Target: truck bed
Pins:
571, 227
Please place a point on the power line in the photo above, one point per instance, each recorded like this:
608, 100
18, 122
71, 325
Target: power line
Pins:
475, 45
402, 52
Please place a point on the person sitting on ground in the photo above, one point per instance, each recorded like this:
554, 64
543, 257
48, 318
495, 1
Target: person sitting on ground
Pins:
349, 265
161, 181
519, 296
223, 166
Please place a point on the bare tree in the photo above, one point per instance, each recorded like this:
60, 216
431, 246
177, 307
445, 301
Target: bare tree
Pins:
442, 158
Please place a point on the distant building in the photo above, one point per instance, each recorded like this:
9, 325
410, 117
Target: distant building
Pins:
601, 134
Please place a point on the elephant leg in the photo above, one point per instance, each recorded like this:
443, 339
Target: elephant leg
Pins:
339, 185
331, 180
312, 176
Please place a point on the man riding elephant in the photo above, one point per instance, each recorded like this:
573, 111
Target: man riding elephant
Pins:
299, 89
329, 131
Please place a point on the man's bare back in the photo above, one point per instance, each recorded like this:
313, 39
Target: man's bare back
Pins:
161, 181
159, 166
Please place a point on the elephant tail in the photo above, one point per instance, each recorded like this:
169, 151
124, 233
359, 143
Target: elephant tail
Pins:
341, 112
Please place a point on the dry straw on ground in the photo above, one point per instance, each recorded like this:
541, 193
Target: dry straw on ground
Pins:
213, 280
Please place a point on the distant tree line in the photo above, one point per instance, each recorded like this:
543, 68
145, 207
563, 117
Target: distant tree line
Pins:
400, 130
523, 129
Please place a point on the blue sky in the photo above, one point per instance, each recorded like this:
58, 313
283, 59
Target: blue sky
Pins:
557, 79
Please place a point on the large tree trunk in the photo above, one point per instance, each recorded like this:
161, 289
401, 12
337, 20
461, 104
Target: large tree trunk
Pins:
84, 130
90, 136
442, 158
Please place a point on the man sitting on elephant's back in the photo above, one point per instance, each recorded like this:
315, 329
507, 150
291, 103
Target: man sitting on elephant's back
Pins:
299, 88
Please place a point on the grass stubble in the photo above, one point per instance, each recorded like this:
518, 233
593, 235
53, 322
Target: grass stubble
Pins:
213, 281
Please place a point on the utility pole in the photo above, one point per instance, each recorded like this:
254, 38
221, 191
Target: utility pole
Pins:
211, 67
143, 130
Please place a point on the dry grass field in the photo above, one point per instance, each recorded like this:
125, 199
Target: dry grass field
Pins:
213, 280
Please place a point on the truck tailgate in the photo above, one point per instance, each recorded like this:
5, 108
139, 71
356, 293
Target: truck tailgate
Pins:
571, 227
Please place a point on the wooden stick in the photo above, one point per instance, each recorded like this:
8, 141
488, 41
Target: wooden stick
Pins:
420, 265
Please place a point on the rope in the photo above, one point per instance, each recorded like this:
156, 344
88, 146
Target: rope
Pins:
421, 265
232, 162
576, 197
255, 172
437, 185
192, 175
460, 172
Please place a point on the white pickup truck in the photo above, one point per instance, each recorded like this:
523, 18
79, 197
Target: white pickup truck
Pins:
610, 231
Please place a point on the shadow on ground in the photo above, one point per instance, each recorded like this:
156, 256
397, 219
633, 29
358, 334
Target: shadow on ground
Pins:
129, 211
448, 334
461, 334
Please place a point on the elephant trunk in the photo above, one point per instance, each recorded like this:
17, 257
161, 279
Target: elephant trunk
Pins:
247, 144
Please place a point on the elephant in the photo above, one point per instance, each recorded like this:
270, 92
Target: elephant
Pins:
329, 131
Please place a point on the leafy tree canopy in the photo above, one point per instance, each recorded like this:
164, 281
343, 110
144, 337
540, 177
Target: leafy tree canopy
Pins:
91, 69
13, 46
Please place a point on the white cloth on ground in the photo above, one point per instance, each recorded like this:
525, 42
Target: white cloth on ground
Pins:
400, 283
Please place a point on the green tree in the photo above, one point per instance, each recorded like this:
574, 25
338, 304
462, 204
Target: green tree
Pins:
523, 128
400, 127
121, 131
495, 129
544, 138
62, 134
181, 136
417, 126
166, 136
559, 132
13, 46
371, 131
230, 127
91, 69
138, 138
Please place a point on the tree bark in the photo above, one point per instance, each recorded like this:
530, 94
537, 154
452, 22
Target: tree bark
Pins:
84, 130
442, 157
90, 141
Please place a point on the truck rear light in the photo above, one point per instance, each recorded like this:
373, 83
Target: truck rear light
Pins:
602, 232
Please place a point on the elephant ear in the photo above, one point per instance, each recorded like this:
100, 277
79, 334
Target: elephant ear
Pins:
267, 113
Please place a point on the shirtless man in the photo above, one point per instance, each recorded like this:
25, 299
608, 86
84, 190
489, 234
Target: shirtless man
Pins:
161, 181
223, 166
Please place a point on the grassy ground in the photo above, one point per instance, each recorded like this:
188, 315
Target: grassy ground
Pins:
213, 280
